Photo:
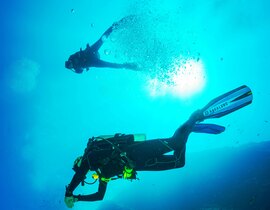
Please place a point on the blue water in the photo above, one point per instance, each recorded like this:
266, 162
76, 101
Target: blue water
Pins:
48, 113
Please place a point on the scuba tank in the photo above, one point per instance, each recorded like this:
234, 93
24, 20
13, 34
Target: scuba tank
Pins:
116, 144
137, 137
110, 142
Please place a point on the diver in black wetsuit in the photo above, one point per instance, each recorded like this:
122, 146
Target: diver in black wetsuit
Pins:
84, 59
121, 157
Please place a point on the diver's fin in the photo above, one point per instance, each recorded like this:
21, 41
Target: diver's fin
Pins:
228, 102
208, 128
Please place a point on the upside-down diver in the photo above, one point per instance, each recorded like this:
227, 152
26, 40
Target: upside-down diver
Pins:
89, 57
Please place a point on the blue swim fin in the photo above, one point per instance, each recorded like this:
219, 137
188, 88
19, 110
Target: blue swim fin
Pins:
228, 102
208, 128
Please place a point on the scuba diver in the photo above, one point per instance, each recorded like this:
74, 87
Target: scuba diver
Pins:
89, 57
122, 156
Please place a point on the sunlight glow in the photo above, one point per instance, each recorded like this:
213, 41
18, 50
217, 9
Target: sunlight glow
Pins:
186, 77
23, 75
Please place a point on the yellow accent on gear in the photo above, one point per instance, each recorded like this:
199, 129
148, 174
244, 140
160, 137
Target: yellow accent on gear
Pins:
127, 172
105, 179
95, 176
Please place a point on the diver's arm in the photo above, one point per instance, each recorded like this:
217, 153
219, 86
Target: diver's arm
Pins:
99, 195
98, 43
77, 178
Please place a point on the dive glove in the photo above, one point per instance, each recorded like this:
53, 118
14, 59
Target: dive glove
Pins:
70, 200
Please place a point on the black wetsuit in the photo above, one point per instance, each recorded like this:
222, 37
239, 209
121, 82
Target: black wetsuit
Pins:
145, 156
84, 59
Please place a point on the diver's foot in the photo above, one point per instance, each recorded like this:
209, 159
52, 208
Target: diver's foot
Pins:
197, 116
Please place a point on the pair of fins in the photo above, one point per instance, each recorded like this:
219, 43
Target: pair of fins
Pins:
223, 105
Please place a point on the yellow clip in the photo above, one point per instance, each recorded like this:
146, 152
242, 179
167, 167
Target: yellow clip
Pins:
95, 176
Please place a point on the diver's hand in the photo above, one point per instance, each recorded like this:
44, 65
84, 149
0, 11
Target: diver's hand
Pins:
70, 200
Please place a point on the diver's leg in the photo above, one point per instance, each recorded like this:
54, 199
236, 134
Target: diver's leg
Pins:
178, 144
164, 162
107, 33
149, 155
180, 137
153, 150
105, 64
100, 41
143, 151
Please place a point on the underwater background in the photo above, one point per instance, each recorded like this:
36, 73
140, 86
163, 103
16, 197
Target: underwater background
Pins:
189, 53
